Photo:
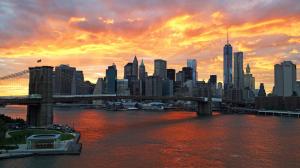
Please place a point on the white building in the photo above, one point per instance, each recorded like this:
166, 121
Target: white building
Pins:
43, 141
285, 79
249, 80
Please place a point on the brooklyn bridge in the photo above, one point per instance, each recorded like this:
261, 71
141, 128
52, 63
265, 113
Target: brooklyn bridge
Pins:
40, 98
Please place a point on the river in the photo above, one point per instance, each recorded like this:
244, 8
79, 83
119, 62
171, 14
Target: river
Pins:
170, 139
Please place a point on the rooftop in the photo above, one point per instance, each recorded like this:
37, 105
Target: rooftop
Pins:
44, 137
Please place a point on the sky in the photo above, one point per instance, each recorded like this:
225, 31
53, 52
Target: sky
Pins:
92, 34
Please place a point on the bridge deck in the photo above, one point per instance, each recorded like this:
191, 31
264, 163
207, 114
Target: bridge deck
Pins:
35, 99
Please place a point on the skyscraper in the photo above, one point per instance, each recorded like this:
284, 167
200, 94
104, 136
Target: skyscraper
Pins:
213, 80
64, 76
285, 78
238, 70
128, 71
142, 71
262, 92
227, 65
179, 76
213, 85
249, 80
153, 86
160, 68
171, 74
192, 63
78, 83
100, 87
187, 74
122, 87
111, 77
99, 90
135, 68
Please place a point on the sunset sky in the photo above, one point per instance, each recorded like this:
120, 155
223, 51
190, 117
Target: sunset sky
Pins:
92, 34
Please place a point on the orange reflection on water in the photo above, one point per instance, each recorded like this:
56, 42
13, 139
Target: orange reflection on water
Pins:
91, 124
185, 139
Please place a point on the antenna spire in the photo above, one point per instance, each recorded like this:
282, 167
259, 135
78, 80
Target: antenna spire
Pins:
227, 37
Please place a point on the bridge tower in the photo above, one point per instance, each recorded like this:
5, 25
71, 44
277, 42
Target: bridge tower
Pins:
205, 109
40, 83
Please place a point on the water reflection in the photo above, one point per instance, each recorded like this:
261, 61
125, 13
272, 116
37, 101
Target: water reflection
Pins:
172, 139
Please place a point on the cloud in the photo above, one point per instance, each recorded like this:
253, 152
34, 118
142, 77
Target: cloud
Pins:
95, 33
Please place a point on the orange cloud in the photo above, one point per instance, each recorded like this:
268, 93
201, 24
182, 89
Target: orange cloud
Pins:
91, 43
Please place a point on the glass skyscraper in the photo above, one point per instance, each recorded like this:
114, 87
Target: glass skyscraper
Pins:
227, 65
192, 63
238, 70
111, 77
160, 68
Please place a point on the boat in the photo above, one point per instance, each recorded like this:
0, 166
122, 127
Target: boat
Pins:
132, 108
154, 106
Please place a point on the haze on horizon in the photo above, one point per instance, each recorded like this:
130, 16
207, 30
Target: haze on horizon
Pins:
93, 34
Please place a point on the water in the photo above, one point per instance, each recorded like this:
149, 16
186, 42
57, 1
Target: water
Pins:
171, 139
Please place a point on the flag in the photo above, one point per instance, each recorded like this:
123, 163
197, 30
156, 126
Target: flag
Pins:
38, 61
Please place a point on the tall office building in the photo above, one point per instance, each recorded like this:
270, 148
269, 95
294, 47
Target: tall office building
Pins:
111, 77
187, 74
78, 85
227, 65
135, 68
171, 74
122, 87
168, 87
219, 91
99, 90
142, 71
160, 68
261, 91
285, 78
238, 70
100, 87
64, 76
249, 80
128, 70
192, 63
213, 85
213, 80
179, 76
142, 76
153, 86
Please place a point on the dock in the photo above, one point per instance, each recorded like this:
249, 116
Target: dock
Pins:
242, 110
279, 113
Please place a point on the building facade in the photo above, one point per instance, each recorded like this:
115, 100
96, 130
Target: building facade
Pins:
128, 71
187, 74
122, 87
238, 70
160, 68
285, 79
153, 86
142, 71
171, 74
135, 68
64, 76
227, 66
192, 63
249, 80
111, 77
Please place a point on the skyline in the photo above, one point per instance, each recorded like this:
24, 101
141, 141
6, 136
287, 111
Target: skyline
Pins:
91, 35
